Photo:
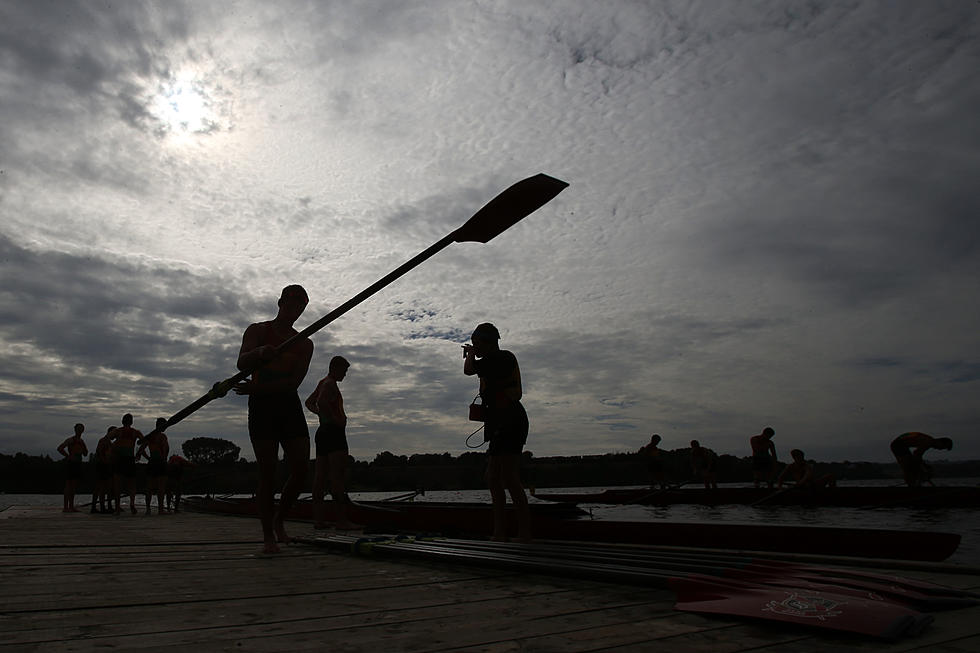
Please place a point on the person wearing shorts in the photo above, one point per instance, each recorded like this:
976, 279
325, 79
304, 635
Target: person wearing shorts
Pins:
275, 412
156, 448
74, 451
915, 471
505, 425
332, 452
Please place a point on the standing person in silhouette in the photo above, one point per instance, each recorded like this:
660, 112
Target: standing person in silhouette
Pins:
505, 425
124, 441
704, 463
155, 448
103, 473
74, 451
915, 471
763, 457
655, 462
275, 411
332, 451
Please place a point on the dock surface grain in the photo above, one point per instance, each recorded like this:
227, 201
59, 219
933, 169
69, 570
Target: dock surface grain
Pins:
82, 582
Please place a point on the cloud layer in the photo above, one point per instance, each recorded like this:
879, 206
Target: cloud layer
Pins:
771, 220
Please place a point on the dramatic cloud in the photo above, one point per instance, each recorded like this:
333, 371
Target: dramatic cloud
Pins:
771, 220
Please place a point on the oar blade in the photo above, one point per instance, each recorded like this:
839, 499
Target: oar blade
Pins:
509, 207
800, 606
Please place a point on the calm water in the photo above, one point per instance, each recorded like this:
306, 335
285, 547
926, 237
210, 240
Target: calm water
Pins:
963, 521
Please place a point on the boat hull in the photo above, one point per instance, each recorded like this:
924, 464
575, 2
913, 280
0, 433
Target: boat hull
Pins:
556, 522
854, 497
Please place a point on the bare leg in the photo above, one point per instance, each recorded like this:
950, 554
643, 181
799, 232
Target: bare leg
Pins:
337, 464
117, 491
319, 487
498, 498
512, 480
297, 453
267, 457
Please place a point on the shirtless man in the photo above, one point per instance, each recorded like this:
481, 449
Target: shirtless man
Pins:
332, 451
124, 441
704, 462
155, 449
914, 469
275, 412
74, 451
655, 463
103, 473
763, 457
801, 473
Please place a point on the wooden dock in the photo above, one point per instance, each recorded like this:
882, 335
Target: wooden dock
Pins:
81, 582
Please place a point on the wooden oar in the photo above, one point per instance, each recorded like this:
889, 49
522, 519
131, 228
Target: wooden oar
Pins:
502, 212
695, 592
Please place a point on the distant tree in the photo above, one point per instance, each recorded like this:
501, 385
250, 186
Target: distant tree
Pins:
205, 451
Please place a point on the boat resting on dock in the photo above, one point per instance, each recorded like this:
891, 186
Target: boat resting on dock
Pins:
843, 496
559, 522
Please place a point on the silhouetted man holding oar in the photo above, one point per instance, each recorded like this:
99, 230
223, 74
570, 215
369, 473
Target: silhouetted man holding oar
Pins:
275, 412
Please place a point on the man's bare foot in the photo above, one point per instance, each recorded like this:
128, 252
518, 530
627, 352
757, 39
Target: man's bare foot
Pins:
133, 509
269, 548
281, 536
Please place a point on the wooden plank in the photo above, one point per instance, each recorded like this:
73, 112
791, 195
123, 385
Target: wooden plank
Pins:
78, 582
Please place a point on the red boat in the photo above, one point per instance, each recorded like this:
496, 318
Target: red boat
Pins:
558, 522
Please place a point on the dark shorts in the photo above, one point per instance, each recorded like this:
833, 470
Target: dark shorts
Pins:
103, 471
331, 438
73, 470
506, 430
276, 417
125, 467
655, 466
156, 468
900, 449
762, 463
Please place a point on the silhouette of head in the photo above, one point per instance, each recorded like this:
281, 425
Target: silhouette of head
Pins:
127, 420
943, 443
161, 423
695, 444
79, 428
655, 439
486, 331
797, 454
768, 432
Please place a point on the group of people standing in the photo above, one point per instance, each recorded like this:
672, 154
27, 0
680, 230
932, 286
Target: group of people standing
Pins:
116, 455
276, 418
908, 449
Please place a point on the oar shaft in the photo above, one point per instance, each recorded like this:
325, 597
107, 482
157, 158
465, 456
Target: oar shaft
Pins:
221, 388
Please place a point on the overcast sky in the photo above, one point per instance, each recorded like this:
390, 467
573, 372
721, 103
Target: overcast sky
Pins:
772, 216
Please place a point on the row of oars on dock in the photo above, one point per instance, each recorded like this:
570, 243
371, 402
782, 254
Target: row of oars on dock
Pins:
845, 599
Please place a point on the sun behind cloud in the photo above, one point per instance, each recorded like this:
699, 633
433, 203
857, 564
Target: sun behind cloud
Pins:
186, 104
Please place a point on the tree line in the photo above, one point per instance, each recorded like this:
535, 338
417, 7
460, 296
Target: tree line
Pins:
219, 469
